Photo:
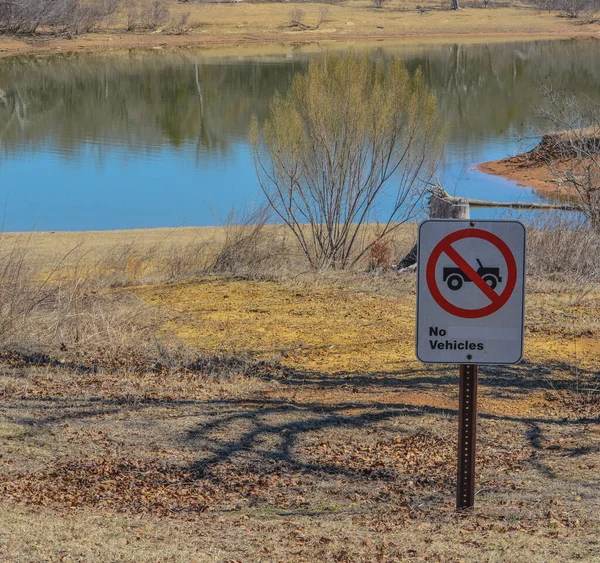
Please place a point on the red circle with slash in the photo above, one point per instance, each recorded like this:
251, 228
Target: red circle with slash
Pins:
497, 300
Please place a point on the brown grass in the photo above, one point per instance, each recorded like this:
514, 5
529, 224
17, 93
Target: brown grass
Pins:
243, 24
311, 467
282, 417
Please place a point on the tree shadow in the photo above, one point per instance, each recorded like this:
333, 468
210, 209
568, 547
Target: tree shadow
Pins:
501, 381
284, 421
317, 416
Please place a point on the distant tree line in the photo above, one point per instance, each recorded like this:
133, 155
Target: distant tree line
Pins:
588, 9
72, 17
63, 16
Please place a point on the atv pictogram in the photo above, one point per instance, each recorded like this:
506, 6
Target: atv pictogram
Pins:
455, 277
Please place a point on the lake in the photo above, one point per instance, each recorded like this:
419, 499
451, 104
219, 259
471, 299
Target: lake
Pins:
159, 139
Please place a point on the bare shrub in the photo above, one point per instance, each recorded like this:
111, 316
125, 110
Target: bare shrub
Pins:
571, 8
574, 8
155, 15
248, 250
24, 16
87, 16
296, 15
146, 15
132, 15
573, 153
56, 16
181, 25
560, 247
591, 14
350, 133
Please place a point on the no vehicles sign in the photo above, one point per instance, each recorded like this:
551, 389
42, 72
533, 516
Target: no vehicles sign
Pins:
470, 292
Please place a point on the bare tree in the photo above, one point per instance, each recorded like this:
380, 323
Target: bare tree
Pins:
587, 9
573, 153
380, 3
454, 5
346, 131
56, 16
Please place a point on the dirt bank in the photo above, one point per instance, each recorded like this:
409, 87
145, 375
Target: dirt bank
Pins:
527, 172
239, 25
542, 167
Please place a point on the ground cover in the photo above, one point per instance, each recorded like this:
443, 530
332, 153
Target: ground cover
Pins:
296, 425
248, 25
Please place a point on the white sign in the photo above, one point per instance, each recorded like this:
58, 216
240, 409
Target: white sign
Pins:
470, 291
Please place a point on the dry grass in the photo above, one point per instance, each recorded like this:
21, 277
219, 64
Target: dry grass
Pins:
312, 467
243, 24
137, 256
282, 417
563, 248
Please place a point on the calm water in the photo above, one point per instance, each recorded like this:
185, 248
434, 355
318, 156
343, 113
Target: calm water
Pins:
159, 139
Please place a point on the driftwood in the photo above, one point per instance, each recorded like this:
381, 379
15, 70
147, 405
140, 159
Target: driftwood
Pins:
444, 206
440, 193
518, 204
570, 143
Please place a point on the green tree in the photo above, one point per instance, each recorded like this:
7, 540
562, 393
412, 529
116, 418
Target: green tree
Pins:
350, 137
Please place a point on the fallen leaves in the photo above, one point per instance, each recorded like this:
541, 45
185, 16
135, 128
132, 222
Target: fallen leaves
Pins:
118, 484
421, 460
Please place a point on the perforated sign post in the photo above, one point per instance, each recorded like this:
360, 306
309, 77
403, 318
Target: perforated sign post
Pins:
470, 308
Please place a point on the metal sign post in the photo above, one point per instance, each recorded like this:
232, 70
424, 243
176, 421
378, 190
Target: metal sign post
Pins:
470, 309
467, 431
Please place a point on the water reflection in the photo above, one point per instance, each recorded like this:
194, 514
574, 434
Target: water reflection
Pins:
106, 128
136, 101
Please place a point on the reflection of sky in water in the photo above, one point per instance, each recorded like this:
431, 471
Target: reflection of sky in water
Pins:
154, 153
164, 188
171, 187
461, 178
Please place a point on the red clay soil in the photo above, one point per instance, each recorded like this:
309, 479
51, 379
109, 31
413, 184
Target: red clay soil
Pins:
530, 170
542, 167
526, 172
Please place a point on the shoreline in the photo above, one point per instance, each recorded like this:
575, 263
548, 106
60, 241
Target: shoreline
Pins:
525, 174
247, 29
542, 168
255, 45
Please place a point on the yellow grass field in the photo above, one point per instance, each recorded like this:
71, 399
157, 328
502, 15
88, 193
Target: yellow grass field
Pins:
262, 28
297, 427
170, 397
